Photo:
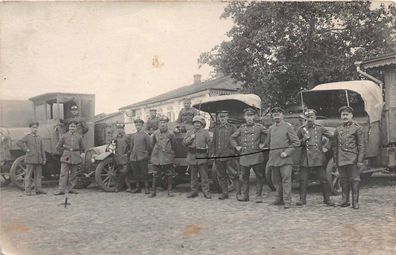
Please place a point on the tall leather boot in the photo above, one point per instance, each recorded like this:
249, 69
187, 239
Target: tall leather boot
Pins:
245, 191
154, 193
345, 193
138, 189
237, 187
326, 195
303, 193
259, 191
355, 195
224, 190
170, 183
146, 187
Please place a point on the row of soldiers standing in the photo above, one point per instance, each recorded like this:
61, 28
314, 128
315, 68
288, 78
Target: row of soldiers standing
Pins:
248, 141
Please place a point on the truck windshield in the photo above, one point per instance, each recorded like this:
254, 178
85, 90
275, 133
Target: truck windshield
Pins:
327, 102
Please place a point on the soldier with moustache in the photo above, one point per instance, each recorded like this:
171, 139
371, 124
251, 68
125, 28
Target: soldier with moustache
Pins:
349, 152
249, 139
312, 158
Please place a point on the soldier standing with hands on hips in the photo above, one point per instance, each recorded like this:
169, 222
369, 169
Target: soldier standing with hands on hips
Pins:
282, 141
71, 145
349, 152
312, 156
249, 138
35, 158
198, 142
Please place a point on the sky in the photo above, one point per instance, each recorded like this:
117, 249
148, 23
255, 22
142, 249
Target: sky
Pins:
105, 48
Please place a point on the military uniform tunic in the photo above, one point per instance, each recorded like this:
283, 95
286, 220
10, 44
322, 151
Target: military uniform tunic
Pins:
164, 148
281, 138
198, 147
349, 144
71, 145
36, 153
250, 136
140, 146
122, 149
186, 115
221, 141
312, 154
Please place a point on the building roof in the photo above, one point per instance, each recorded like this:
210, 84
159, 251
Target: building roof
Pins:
104, 116
223, 83
384, 60
53, 95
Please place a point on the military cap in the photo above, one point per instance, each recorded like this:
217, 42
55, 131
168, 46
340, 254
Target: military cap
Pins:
345, 108
199, 119
33, 122
138, 121
120, 125
249, 111
75, 122
74, 107
309, 112
164, 118
277, 109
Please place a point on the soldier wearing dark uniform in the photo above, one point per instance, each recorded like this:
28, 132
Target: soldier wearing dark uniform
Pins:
349, 152
312, 156
186, 115
152, 122
282, 141
249, 138
163, 155
71, 146
121, 153
140, 154
222, 147
82, 126
35, 158
198, 142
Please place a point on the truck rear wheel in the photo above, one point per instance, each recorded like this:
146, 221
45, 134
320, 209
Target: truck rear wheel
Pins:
333, 177
106, 175
18, 172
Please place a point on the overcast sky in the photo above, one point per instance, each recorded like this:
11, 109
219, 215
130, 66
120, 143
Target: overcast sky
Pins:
105, 48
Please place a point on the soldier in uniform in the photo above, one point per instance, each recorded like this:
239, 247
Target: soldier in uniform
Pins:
82, 126
312, 156
152, 122
249, 139
163, 155
225, 167
282, 141
186, 115
121, 153
71, 146
140, 154
349, 152
35, 158
198, 142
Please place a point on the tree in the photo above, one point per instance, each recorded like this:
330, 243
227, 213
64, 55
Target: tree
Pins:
278, 48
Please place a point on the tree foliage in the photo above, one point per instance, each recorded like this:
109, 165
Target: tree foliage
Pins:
277, 48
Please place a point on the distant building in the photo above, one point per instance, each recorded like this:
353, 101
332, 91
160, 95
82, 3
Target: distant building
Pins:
170, 103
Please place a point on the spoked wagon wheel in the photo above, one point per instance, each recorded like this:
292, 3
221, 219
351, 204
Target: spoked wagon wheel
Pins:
18, 171
333, 177
106, 174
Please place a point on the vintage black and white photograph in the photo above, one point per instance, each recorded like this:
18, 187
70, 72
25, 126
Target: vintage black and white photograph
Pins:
197, 127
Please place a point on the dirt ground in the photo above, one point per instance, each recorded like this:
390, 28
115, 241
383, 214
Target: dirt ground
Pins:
122, 223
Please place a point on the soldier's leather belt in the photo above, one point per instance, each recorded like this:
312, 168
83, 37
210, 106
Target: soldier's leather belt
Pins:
197, 150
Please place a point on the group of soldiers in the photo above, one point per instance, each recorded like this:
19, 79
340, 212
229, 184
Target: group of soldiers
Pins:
235, 152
